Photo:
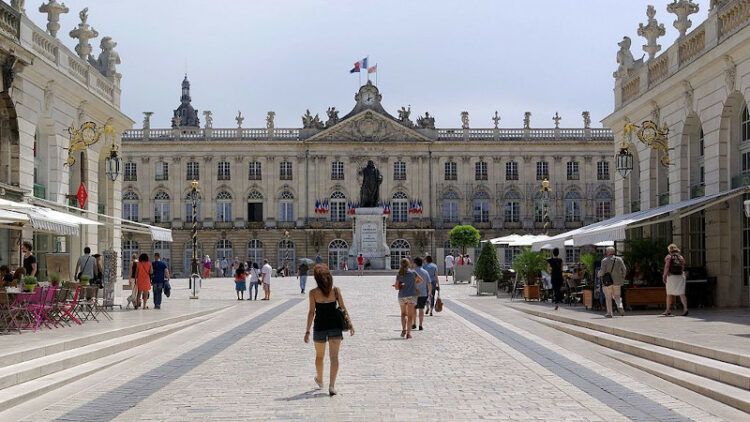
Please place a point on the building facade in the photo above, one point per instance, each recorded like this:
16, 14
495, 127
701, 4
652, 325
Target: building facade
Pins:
698, 89
48, 88
287, 193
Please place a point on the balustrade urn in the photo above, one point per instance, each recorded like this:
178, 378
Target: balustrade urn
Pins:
83, 34
683, 9
651, 32
53, 9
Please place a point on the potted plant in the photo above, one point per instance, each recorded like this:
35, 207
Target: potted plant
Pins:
29, 283
528, 265
487, 271
464, 237
589, 261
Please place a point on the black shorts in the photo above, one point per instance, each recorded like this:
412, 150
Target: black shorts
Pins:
421, 302
321, 336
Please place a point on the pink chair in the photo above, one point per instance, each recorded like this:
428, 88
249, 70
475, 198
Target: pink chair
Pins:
66, 310
34, 305
44, 309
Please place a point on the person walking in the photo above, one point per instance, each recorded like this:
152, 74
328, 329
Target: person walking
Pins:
674, 277
161, 277
254, 282
143, 273
98, 279
612, 273
207, 266
555, 270
133, 298
224, 266
326, 323
302, 275
432, 270
318, 259
240, 275
406, 284
424, 290
265, 273
449, 262
360, 265
85, 265
29, 260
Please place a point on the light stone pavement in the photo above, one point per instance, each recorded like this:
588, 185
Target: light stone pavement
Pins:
249, 363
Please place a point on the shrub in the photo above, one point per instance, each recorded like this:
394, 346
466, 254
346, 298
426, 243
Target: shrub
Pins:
528, 265
464, 237
488, 266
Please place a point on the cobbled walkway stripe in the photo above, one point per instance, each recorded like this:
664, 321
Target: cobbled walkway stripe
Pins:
620, 398
128, 395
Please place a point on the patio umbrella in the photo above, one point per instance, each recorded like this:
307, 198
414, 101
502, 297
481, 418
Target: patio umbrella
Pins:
307, 261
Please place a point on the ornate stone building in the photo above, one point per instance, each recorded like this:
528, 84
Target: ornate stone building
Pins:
283, 194
698, 89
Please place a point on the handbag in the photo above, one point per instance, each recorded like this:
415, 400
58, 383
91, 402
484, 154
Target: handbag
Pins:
167, 288
438, 303
343, 315
607, 276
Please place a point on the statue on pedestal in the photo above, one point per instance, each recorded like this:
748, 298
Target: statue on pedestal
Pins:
371, 180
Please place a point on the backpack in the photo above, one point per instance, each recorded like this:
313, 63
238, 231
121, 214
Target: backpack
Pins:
675, 265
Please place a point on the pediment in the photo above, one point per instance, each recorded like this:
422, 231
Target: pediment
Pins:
369, 126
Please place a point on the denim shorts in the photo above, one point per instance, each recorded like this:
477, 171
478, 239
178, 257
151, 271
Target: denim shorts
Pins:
323, 336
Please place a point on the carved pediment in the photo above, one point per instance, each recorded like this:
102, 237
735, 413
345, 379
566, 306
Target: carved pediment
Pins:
369, 126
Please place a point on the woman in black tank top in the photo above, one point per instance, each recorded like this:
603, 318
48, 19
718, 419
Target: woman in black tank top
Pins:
327, 328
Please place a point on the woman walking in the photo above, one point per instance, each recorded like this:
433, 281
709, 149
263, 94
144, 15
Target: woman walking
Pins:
328, 326
254, 282
133, 298
406, 284
143, 280
239, 281
674, 278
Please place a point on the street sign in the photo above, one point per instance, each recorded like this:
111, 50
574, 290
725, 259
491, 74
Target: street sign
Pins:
82, 195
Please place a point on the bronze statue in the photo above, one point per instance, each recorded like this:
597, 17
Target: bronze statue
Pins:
371, 180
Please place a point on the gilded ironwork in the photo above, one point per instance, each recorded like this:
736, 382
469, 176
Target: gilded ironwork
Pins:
85, 136
653, 136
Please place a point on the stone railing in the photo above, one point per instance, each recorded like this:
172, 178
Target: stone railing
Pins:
631, 89
693, 45
732, 16
10, 21
658, 69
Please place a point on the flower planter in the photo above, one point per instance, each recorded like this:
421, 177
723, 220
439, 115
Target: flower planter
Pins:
531, 292
486, 287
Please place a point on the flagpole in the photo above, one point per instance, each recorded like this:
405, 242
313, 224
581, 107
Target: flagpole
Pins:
376, 75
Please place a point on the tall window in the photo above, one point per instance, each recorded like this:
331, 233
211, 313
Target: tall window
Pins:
255, 251
338, 252
511, 170
254, 171
573, 173
603, 203
189, 208
130, 203
572, 207
131, 172
450, 207
338, 207
702, 144
512, 207
542, 170
539, 205
255, 207
285, 170
400, 207
481, 204
129, 248
745, 125
162, 171
399, 170
696, 250
224, 250
286, 207
193, 171
224, 171
602, 170
451, 171
480, 170
400, 249
161, 207
223, 207
337, 170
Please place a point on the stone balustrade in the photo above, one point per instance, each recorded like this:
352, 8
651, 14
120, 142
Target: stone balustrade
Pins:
10, 21
732, 16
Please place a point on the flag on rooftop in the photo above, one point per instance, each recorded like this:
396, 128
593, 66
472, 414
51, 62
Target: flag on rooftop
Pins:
373, 69
358, 66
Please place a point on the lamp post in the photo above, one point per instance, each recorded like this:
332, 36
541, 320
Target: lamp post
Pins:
545, 190
195, 275
286, 250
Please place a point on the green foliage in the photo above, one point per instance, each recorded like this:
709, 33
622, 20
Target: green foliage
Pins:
488, 266
645, 258
29, 279
528, 265
464, 237
589, 260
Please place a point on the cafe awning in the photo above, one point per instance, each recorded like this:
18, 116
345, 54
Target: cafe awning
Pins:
12, 217
46, 219
614, 229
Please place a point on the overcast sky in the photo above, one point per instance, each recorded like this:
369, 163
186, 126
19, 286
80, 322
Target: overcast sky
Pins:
435, 55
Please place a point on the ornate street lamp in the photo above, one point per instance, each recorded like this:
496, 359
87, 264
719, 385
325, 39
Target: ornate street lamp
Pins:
113, 163
545, 190
624, 160
195, 274
286, 250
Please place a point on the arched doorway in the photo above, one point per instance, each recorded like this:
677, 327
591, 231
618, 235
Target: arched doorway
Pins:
338, 253
255, 252
400, 248
129, 248
286, 255
188, 257
165, 251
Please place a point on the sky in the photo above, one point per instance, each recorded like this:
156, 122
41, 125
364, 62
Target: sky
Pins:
444, 57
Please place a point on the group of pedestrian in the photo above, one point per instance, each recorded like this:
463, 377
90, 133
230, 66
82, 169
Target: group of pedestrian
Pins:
452, 261
417, 286
258, 276
146, 276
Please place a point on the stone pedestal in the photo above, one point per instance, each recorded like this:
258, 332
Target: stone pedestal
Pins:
369, 238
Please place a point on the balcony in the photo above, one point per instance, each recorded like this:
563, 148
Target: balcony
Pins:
741, 180
696, 191
40, 191
663, 199
223, 224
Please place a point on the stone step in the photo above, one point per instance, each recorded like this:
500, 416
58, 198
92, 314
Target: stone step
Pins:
714, 353
23, 355
29, 370
712, 369
719, 391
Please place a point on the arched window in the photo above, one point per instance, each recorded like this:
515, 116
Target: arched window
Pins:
539, 205
338, 206
188, 258
286, 255
745, 125
223, 207
481, 205
130, 204
129, 248
512, 207
400, 248
286, 207
400, 207
255, 252
255, 207
603, 202
189, 207
164, 250
161, 207
450, 207
338, 253
224, 249
572, 207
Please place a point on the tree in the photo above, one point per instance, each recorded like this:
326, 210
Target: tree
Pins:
488, 266
464, 236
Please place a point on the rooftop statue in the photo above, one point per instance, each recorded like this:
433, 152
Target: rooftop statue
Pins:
426, 121
371, 180
269, 119
403, 116
464, 120
108, 58
625, 59
333, 116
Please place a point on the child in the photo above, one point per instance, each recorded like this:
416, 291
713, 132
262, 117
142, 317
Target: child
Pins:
239, 281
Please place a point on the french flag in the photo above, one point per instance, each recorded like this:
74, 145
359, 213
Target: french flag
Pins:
358, 66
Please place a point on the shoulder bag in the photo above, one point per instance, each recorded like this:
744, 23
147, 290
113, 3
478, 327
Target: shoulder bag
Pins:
343, 315
80, 273
607, 276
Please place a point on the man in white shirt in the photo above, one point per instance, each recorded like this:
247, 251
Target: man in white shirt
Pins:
265, 275
449, 260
